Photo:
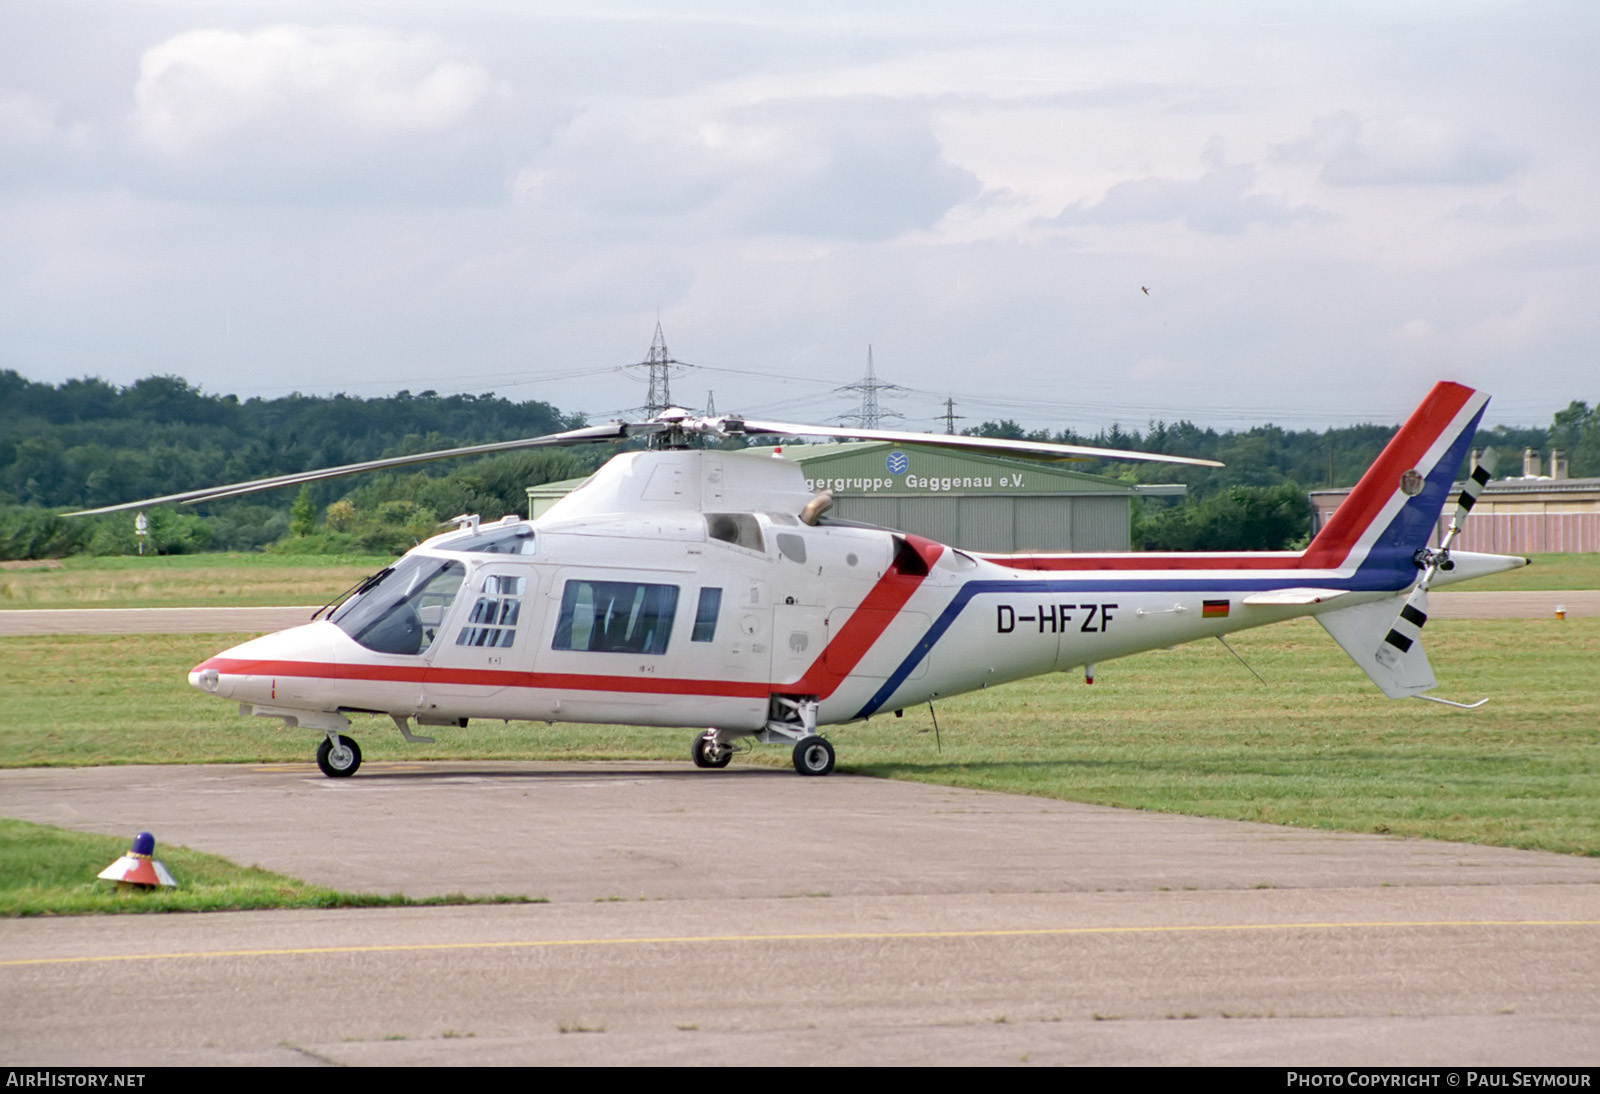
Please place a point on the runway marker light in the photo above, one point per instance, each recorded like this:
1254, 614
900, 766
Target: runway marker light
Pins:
138, 869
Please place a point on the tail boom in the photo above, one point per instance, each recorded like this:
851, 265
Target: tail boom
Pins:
1360, 575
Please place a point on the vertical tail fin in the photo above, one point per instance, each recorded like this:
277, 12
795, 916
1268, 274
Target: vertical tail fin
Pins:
1393, 510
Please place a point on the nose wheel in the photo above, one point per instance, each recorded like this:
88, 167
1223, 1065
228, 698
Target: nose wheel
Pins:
338, 756
708, 752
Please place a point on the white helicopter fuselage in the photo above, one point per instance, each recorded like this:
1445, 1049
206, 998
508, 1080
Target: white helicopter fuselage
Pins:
691, 588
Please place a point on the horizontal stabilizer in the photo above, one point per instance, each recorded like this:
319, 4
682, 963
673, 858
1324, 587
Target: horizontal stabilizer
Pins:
1294, 596
1368, 633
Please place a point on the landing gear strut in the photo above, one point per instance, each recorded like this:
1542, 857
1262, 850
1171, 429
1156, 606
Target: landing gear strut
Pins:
338, 756
793, 718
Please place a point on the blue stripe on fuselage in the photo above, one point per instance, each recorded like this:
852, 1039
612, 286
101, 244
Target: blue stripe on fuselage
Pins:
1121, 585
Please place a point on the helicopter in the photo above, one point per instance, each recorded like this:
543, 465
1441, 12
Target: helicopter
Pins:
704, 588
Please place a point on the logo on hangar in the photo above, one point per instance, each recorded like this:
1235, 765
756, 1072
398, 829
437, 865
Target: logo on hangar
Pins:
898, 463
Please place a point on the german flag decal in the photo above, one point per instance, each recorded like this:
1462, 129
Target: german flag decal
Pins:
1214, 609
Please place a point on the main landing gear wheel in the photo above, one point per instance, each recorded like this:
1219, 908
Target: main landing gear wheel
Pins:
813, 756
707, 753
341, 762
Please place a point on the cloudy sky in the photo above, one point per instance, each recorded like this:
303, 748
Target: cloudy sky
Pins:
1330, 205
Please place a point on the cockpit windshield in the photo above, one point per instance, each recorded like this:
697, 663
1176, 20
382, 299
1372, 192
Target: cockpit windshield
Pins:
402, 612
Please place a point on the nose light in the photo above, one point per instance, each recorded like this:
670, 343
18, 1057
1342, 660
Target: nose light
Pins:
208, 680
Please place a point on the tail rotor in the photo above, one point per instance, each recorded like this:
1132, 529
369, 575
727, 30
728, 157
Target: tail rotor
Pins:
1398, 664
1407, 628
1476, 481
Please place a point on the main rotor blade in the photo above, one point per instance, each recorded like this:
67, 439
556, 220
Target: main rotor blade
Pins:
1035, 449
611, 431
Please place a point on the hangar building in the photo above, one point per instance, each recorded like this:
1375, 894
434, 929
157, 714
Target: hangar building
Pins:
976, 501
1528, 515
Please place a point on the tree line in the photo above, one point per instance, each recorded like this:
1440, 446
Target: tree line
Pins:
86, 443
1258, 501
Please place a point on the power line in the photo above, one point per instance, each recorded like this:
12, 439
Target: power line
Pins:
658, 365
871, 415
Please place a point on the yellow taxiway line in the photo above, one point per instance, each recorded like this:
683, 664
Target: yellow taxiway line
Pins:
842, 936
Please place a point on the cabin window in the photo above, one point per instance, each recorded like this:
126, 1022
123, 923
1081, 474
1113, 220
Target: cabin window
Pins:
493, 620
616, 617
739, 529
402, 612
705, 615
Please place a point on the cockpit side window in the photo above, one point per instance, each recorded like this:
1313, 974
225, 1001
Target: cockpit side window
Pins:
493, 621
403, 612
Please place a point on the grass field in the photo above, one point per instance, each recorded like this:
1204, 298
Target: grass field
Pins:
1186, 730
264, 580
51, 871
218, 581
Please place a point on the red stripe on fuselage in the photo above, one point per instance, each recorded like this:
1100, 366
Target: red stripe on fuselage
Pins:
1148, 561
827, 672
425, 674
866, 624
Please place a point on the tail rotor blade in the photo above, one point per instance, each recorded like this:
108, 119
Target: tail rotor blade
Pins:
1401, 651
1476, 481
1406, 630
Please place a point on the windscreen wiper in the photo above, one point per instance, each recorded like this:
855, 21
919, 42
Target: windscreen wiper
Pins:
355, 590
